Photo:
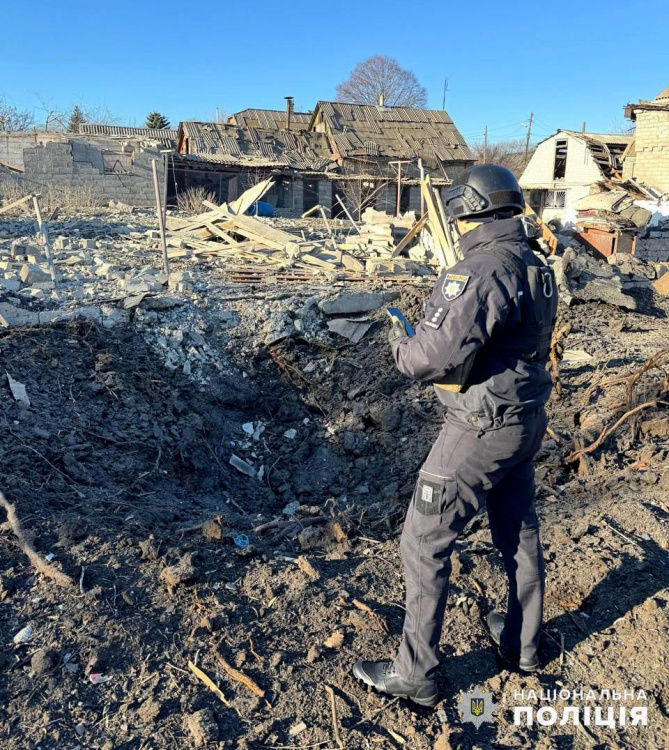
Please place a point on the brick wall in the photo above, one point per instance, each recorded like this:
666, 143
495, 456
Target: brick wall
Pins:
652, 149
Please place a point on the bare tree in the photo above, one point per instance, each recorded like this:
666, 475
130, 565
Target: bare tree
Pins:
509, 154
101, 115
381, 79
55, 118
12, 118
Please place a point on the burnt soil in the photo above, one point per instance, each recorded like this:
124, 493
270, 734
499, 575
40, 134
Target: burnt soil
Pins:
118, 462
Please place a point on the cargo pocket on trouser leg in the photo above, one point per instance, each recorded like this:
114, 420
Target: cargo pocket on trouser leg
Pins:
431, 498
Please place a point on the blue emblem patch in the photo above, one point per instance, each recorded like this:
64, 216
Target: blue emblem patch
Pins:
477, 706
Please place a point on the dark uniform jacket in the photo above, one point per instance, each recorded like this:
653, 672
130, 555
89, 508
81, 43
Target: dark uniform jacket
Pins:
491, 320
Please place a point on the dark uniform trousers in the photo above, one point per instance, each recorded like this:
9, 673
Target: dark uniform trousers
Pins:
466, 469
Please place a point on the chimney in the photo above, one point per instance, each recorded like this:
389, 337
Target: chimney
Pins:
382, 100
289, 110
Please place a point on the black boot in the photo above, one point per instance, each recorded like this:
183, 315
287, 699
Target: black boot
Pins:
382, 676
495, 621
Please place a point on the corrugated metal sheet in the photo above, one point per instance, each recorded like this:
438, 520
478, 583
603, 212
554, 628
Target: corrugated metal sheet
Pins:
120, 131
270, 119
399, 132
255, 147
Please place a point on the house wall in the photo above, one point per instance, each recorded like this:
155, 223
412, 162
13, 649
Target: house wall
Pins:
652, 149
581, 168
581, 171
49, 160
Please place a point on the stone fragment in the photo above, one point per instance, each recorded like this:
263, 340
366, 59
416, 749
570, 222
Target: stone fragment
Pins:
349, 303
661, 286
43, 661
31, 273
175, 575
203, 727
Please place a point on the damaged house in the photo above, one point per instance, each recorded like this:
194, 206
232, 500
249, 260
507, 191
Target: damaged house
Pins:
227, 159
381, 151
364, 155
564, 168
106, 162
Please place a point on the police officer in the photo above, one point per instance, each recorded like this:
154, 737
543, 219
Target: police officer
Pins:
484, 343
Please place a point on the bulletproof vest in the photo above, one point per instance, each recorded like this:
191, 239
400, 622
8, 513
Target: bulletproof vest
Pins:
530, 339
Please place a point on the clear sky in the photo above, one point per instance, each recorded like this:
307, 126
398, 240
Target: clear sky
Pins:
565, 61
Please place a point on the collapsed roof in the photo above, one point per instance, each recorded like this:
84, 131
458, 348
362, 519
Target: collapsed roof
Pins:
254, 147
606, 149
362, 130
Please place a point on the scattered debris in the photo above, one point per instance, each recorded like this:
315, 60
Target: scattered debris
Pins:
18, 390
335, 641
209, 683
175, 575
243, 466
307, 568
24, 635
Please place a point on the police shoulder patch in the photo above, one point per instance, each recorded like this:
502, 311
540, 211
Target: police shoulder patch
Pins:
453, 286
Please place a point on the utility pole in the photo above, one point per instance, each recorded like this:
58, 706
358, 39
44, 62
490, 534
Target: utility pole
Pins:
443, 101
527, 140
485, 145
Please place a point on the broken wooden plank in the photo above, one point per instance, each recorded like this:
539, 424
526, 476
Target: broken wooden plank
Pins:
434, 222
413, 232
18, 202
249, 197
219, 233
314, 260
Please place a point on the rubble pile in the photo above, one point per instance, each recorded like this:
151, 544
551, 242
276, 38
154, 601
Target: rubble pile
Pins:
611, 209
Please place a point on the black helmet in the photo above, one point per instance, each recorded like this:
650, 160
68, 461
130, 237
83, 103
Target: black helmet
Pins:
482, 191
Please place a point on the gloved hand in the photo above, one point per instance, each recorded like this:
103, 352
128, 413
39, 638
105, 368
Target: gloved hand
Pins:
397, 331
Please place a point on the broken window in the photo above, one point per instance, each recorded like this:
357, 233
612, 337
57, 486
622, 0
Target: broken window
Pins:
117, 162
560, 166
536, 200
555, 199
